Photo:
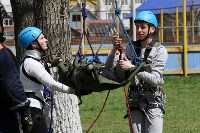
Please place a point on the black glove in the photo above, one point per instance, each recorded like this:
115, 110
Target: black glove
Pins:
55, 62
26, 120
27, 124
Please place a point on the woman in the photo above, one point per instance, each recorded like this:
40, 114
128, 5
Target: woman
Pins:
146, 97
34, 75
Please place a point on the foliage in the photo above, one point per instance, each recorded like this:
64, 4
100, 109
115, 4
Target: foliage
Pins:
182, 108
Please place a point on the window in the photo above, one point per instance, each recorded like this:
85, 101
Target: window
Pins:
8, 22
124, 2
139, 1
124, 15
76, 18
110, 15
109, 2
9, 33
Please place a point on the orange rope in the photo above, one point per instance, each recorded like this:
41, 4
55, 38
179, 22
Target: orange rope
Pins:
121, 49
129, 111
99, 112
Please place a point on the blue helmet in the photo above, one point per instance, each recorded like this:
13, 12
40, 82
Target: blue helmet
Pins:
147, 16
27, 35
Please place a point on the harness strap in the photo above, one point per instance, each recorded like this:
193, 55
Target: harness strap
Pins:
32, 95
148, 49
31, 77
156, 105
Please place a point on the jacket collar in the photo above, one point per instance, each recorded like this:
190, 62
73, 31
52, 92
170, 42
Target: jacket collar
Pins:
33, 53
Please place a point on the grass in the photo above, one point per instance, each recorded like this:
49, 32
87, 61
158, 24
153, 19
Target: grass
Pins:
182, 108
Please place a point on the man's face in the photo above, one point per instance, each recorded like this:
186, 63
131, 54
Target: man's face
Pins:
42, 42
142, 30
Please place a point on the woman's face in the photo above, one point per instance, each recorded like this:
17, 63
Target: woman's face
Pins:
42, 42
142, 30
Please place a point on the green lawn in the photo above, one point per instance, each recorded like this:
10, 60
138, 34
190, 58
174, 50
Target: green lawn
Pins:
182, 108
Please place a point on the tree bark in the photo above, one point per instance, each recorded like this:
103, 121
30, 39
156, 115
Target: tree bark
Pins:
23, 15
52, 16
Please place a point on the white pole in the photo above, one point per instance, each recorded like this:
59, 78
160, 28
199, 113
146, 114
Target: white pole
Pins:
134, 28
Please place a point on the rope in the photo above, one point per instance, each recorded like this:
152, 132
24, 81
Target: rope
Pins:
84, 34
48, 93
128, 108
117, 14
95, 55
120, 48
99, 112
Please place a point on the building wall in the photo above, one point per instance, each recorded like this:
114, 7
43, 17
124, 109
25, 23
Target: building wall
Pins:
106, 9
9, 26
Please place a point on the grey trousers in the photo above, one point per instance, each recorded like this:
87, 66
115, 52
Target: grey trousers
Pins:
151, 122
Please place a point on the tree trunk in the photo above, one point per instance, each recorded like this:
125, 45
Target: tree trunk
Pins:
52, 16
23, 15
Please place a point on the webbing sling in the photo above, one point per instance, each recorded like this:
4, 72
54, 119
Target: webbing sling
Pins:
76, 76
32, 95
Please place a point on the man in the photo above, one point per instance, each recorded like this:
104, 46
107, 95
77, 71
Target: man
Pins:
13, 99
146, 96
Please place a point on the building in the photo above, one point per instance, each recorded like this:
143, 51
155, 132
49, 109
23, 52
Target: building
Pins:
100, 16
106, 9
101, 10
8, 25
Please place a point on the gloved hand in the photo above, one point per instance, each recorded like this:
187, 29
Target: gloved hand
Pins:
27, 123
55, 62
26, 120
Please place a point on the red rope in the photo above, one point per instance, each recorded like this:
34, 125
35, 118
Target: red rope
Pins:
121, 49
99, 112
128, 108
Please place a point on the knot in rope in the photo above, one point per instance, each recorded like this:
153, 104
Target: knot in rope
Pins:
117, 11
83, 10
95, 59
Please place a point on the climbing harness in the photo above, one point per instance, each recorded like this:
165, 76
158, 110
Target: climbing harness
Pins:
139, 96
48, 95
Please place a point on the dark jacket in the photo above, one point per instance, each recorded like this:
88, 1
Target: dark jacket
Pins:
12, 93
12, 96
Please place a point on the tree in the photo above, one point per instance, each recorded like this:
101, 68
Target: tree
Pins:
53, 18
